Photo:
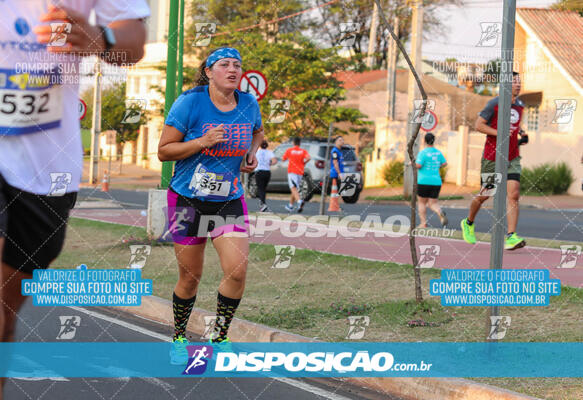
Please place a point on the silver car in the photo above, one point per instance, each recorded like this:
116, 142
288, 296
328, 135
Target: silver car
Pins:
313, 178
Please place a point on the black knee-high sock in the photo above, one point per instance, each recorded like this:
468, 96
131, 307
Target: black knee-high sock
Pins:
226, 308
182, 309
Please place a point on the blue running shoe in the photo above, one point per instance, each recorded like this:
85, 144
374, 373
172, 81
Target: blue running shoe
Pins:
178, 352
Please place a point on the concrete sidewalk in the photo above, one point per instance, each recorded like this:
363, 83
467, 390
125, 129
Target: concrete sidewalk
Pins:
126, 176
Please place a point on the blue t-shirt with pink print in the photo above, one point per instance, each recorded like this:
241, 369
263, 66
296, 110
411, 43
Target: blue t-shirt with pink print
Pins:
214, 173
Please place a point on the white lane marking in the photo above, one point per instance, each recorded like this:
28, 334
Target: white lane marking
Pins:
33, 369
128, 325
300, 385
73, 215
158, 382
312, 389
154, 381
38, 378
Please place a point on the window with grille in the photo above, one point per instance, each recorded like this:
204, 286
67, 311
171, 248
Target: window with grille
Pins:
532, 119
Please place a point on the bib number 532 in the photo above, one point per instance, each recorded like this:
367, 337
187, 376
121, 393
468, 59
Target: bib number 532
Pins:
24, 104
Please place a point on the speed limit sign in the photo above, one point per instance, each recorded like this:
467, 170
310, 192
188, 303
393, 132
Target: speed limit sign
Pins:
429, 121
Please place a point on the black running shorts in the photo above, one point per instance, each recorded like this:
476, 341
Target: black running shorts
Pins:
429, 191
191, 221
33, 226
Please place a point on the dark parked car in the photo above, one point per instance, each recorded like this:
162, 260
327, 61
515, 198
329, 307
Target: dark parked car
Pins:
313, 178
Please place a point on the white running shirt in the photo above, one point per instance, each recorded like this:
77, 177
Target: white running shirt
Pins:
40, 136
264, 157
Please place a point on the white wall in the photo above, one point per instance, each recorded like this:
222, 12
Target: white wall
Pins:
391, 139
157, 23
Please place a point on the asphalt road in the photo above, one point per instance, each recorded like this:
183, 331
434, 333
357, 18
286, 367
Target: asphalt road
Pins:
42, 324
546, 224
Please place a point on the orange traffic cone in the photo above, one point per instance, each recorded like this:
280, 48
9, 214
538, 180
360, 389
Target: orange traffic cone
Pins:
105, 182
334, 201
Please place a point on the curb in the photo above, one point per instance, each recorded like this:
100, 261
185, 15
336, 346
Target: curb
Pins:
160, 310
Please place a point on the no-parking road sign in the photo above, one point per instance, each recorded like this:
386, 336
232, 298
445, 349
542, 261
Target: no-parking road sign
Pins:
254, 82
82, 109
429, 121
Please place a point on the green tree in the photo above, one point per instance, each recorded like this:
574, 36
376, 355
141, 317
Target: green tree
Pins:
571, 5
492, 71
230, 15
324, 24
115, 112
299, 71
331, 19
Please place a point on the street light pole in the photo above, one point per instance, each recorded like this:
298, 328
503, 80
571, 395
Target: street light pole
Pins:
95, 125
372, 38
392, 72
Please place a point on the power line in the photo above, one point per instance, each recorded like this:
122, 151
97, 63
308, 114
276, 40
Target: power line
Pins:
496, 4
501, 2
278, 19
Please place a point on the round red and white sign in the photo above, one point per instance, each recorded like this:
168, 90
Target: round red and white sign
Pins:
429, 121
254, 82
82, 109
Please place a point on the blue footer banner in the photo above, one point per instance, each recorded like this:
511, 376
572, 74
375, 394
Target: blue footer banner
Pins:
108, 360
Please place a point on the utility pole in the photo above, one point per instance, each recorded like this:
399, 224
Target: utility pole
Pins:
372, 38
413, 91
392, 72
502, 144
95, 125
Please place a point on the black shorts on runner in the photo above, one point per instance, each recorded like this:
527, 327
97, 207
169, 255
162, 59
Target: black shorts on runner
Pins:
33, 226
430, 191
191, 221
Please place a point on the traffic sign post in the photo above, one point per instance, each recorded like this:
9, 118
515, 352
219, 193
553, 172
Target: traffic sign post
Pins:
254, 82
110, 140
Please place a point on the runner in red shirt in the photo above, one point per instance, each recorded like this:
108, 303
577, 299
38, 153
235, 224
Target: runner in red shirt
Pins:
487, 123
298, 158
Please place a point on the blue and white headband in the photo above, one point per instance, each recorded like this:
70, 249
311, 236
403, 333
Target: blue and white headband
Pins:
225, 52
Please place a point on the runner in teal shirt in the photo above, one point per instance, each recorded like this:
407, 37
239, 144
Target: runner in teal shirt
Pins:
428, 163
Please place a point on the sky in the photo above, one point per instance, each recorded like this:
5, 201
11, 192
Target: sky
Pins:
464, 30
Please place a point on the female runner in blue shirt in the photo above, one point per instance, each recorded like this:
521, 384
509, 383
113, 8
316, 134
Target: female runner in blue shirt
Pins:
213, 132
